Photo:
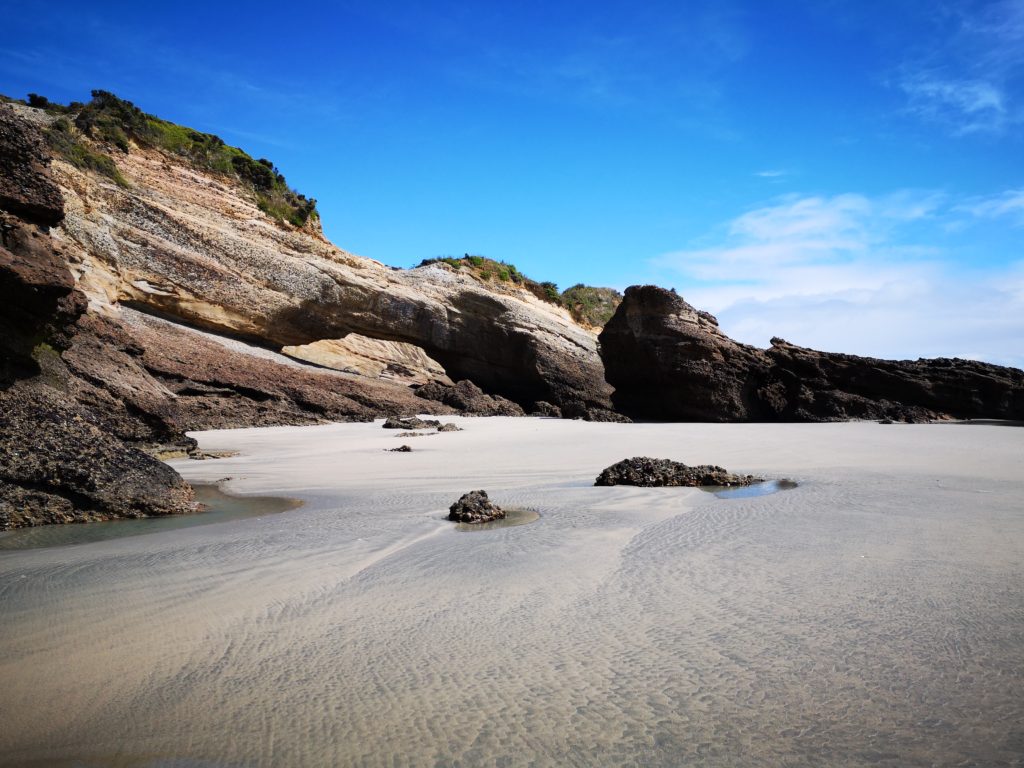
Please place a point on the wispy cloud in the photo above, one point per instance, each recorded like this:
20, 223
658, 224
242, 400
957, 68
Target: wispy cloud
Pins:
771, 174
1009, 204
968, 106
802, 230
845, 273
970, 79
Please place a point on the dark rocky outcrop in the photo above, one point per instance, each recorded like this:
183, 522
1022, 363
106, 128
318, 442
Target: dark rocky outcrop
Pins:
669, 361
576, 409
411, 422
400, 449
57, 463
823, 386
656, 473
26, 188
475, 507
469, 399
449, 427
58, 467
544, 408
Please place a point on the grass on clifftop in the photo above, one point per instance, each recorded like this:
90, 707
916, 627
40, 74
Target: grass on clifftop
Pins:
587, 305
115, 122
62, 138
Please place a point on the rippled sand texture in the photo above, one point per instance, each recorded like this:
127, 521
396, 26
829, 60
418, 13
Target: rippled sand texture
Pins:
872, 616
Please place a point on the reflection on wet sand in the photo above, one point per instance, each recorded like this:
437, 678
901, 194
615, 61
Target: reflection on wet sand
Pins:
513, 517
217, 507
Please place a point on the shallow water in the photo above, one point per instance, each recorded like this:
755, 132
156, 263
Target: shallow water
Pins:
220, 507
750, 491
513, 517
867, 617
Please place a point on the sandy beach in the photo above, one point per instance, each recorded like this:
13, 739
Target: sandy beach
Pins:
874, 615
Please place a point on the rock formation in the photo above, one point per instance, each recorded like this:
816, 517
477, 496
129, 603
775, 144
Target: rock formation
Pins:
669, 361
57, 463
154, 294
389, 360
411, 422
193, 246
657, 473
468, 398
475, 507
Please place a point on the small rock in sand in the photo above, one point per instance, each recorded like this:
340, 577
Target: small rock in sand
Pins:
475, 507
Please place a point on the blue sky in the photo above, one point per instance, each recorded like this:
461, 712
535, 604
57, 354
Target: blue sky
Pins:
846, 175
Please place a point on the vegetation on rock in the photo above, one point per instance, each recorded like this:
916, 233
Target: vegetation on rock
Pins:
590, 305
66, 141
115, 122
587, 305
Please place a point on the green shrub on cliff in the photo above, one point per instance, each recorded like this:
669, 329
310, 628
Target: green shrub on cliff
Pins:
489, 270
590, 305
64, 139
111, 120
587, 305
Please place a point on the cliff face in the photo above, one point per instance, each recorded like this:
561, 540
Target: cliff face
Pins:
57, 464
669, 361
192, 246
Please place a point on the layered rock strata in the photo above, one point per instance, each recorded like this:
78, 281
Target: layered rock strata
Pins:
194, 247
88, 387
670, 361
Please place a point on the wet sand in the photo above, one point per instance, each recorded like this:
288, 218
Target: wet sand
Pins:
216, 507
873, 615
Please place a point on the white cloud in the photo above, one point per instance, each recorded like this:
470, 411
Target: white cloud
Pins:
969, 78
969, 106
841, 274
1009, 204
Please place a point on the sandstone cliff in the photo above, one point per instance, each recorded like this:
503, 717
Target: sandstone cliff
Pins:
146, 295
669, 361
194, 246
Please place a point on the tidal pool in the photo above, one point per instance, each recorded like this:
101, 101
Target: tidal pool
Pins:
513, 517
220, 507
749, 491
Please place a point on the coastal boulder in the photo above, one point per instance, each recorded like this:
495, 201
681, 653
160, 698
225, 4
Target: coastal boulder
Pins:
668, 360
656, 473
475, 507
